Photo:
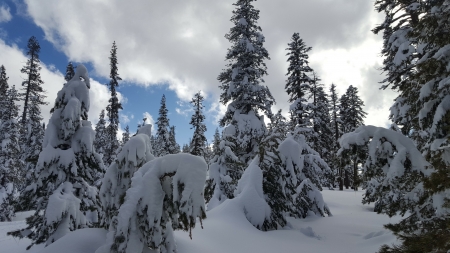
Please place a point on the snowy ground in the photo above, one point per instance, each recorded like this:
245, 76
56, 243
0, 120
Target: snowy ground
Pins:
352, 228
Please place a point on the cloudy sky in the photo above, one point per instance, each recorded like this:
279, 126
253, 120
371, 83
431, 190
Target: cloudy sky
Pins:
177, 48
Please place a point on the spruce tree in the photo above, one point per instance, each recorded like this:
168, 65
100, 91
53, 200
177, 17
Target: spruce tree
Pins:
33, 82
162, 142
66, 169
335, 128
242, 81
112, 110
415, 54
101, 137
3, 85
126, 135
352, 116
70, 72
185, 148
174, 147
298, 82
198, 141
10, 163
117, 180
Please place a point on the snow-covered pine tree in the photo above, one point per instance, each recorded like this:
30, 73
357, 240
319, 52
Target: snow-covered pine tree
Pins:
225, 170
351, 117
33, 82
305, 172
65, 172
117, 180
298, 83
162, 142
101, 137
216, 142
11, 165
185, 148
174, 147
335, 128
166, 195
3, 86
320, 113
394, 169
197, 146
125, 135
416, 61
112, 110
70, 72
32, 140
278, 125
242, 90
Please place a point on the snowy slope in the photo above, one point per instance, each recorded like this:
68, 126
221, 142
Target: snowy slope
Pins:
352, 228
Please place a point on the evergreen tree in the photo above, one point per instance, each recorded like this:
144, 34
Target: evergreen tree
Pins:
335, 128
216, 142
352, 116
126, 135
298, 82
416, 61
66, 169
242, 89
33, 83
117, 180
197, 146
10, 163
185, 149
166, 195
70, 72
320, 115
162, 142
112, 110
3, 85
174, 147
101, 137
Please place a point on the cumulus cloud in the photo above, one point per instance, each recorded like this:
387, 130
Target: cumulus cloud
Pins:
181, 43
5, 14
14, 59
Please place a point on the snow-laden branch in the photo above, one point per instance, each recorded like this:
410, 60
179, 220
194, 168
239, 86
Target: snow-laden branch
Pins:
165, 194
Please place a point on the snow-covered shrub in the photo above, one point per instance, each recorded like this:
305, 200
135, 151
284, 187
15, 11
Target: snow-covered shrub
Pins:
66, 169
135, 153
394, 169
165, 194
304, 172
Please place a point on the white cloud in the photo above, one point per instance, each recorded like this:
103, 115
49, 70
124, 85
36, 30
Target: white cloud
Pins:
5, 14
14, 59
183, 44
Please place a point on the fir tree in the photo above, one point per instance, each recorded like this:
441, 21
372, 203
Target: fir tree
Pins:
101, 137
112, 110
70, 72
10, 162
216, 142
33, 83
126, 135
185, 148
242, 79
298, 82
197, 146
117, 179
335, 128
416, 53
174, 148
352, 116
162, 142
3, 85
66, 169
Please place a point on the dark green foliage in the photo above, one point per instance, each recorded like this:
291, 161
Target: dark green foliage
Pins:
112, 110
70, 72
198, 141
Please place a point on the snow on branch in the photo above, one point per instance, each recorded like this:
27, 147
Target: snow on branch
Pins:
165, 194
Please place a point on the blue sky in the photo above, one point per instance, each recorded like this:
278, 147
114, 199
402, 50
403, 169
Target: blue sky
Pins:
178, 49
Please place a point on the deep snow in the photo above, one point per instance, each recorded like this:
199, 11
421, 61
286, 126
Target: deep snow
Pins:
353, 228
